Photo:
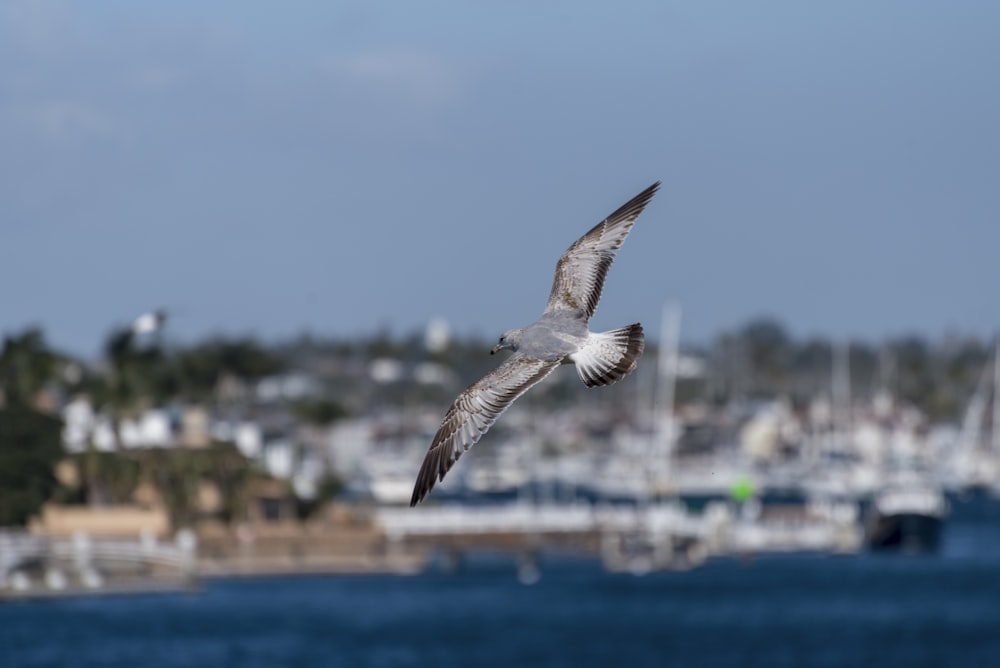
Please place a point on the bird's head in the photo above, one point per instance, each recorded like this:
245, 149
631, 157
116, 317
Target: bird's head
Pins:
510, 340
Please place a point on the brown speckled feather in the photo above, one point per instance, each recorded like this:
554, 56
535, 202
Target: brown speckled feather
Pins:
581, 271
474, 412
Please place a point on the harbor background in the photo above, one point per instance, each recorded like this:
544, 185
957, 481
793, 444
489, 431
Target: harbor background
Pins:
300, 457
745, 539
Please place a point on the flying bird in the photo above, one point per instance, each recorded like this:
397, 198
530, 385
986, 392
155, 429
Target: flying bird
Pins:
562, 335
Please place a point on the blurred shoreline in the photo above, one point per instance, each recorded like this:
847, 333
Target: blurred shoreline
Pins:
368, 540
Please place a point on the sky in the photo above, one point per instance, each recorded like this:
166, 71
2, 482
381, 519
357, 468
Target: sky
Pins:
269, 169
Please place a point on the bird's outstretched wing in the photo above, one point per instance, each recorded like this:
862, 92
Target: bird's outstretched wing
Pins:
581, 270
474, 412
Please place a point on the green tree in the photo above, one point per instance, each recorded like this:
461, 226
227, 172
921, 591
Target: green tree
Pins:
109, 477
769, 351
199, 369
134, 381
26, 366
321, 412
30, 446
30, 441
178, 472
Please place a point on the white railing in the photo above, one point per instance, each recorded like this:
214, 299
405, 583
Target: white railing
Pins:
532, 518
85, 554
717, 529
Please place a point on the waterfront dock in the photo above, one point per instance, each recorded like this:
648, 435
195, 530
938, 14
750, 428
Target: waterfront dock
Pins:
404, 541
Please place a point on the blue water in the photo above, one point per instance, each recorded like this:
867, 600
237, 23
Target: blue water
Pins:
795, 611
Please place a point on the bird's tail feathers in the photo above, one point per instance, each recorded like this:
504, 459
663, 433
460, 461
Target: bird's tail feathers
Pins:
607, 357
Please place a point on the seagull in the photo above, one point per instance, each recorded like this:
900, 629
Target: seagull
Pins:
562, 335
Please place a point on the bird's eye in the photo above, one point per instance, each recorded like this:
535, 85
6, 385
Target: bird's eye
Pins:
501, 339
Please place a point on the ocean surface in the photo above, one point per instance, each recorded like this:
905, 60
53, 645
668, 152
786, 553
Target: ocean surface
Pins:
796, 611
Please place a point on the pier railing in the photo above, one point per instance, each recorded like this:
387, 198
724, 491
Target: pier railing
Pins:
537, 519
661, 535
84, 561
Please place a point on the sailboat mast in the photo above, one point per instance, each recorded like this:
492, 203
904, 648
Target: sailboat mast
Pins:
666, 380
841, 392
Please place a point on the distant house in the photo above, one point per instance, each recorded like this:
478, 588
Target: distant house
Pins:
195, 432
247, 436
79, 422
287, 387
152, 429
83, 427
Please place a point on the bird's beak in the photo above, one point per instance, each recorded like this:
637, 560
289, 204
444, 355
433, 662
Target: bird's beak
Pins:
495, 349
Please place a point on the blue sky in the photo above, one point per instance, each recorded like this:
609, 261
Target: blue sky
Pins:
272, 168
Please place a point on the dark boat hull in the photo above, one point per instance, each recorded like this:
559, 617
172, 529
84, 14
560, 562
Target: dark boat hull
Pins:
906, 532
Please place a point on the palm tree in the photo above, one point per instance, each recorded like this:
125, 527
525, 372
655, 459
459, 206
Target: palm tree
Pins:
26, 366
30, 440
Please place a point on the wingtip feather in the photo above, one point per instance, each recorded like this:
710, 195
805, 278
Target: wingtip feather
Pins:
633, 207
